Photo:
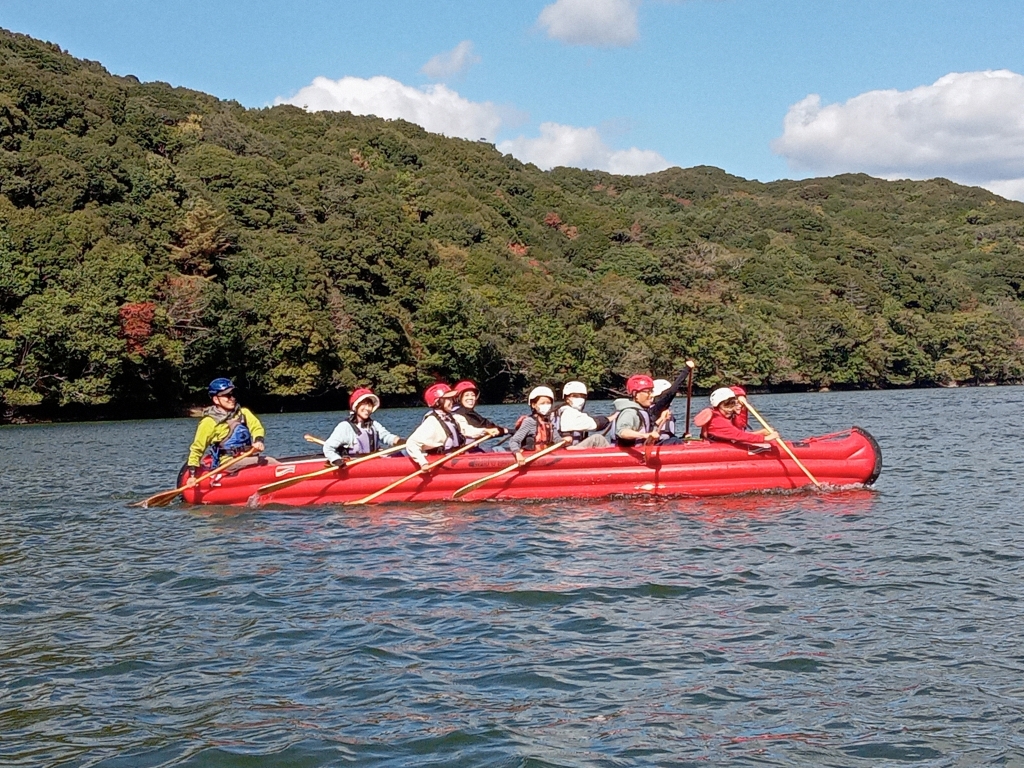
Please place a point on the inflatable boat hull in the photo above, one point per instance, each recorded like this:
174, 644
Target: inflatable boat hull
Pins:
698, 468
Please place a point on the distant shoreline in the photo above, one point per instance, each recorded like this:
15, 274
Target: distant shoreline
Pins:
334, 403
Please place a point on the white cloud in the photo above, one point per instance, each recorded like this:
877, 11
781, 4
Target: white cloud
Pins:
441, 110
581, 148
968, 127
435, 107
591, 22
451, 63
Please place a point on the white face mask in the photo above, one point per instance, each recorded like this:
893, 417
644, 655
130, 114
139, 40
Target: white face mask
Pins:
576, 402
544, 409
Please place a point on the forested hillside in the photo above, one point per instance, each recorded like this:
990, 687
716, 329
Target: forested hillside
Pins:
152, 238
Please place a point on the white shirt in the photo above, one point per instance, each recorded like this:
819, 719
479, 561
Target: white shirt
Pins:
427, 436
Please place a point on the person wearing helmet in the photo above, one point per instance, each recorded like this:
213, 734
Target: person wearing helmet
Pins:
439, 432
720, 427
536, 430
634, 425
465, 412
226, 429
666, 421
359, 434
573, 422
742, 417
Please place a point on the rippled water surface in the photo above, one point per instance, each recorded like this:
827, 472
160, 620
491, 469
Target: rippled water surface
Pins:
864, 628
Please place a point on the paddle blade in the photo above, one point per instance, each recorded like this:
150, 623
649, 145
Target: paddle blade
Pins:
161, 499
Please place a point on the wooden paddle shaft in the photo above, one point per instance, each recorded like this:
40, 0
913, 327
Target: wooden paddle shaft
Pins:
422, 471
782, 442
271, 487
515, 465
164, 497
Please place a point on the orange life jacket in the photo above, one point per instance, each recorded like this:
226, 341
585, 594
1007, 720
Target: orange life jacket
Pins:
542, 438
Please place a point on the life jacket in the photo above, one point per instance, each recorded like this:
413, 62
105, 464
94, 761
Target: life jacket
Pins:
543, 437
366, 437
668, 429
645, 421
453, 435
474, 419
740, 420
577, 436
238, 440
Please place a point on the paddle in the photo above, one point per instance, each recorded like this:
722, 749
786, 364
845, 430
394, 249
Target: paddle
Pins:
310, 439
164, 498
422, 471
782, 442
689, 396
477, 483
348, 463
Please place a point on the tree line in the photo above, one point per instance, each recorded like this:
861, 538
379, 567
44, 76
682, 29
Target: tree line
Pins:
152, 238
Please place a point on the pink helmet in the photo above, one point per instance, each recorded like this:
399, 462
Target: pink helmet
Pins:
436, 392
638, 383
466, 386
362, 394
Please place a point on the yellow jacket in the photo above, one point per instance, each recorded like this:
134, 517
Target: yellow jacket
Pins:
209, 431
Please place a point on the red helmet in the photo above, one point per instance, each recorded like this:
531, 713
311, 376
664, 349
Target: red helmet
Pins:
362, 394
436, 392
466, 386
738, 390
638, 383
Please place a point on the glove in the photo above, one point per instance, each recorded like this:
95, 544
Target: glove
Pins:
339, 463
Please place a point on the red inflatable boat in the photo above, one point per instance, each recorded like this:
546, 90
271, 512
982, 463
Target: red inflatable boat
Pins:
698, 468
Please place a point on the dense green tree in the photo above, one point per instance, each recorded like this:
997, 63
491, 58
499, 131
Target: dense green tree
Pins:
153, 237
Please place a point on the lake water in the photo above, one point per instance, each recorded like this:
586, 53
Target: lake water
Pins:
866, 628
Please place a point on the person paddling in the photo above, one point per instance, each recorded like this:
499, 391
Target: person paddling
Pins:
535, 431
573, 422
666, 422
359, 434
721, 427
226, 429
439, 432
741, 419
634, 425
473, 424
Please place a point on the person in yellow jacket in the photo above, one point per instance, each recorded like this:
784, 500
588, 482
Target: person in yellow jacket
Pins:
226, 429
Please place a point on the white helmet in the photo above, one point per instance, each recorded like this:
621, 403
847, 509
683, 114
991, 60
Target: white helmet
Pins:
720, 395
660, 385
541, 392
574, 388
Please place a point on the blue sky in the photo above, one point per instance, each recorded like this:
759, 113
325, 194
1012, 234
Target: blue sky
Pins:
905, 88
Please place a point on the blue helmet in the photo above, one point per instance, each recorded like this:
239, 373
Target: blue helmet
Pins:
220, 387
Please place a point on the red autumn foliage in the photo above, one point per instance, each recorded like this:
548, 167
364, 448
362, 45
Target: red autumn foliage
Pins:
518, 249
136, 324
358, 159
554, 221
